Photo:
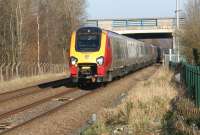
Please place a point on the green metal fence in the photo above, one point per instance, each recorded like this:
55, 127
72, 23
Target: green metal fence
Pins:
190, 77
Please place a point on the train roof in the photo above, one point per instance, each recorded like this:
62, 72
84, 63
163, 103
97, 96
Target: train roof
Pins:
98, 28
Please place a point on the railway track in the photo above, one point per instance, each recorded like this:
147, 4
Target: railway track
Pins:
65, 99
18, 110
26, 92
19, 93
13, 112
29, 90
6, 126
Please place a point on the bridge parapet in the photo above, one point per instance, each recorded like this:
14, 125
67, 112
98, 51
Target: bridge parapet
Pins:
136, 25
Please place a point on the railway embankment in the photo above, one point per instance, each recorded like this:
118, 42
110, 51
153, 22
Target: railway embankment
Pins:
72, 116
147, 109
183, 119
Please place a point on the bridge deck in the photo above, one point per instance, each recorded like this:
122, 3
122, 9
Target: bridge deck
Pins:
138, 26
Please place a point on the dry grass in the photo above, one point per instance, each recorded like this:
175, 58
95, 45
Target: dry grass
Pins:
184, 119
142, 111
28, 81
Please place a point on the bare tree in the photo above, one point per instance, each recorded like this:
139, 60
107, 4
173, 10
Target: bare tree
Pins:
36, 33
190, 37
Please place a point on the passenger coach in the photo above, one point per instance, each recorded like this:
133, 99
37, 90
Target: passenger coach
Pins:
98, 55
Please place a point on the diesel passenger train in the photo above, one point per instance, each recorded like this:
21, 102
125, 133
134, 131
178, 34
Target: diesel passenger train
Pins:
98, 55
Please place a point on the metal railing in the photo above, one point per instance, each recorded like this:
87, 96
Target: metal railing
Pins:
190, 77
141, 23
170, 57
135, 22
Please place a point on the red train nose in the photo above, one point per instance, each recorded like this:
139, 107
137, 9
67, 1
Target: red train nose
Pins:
101, 71
74, 71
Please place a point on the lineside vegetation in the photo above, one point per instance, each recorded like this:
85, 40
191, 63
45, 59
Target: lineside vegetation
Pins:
189, 34
142, 112
36, 32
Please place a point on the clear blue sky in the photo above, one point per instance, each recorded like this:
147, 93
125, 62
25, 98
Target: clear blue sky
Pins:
102, 9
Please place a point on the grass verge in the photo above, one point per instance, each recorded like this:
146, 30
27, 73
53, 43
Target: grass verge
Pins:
142, 112
184, 119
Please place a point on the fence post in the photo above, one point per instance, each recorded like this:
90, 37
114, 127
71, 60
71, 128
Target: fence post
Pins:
1, 72
191, 90
186, 79
188, 70
170, 54
198, 85
192, 81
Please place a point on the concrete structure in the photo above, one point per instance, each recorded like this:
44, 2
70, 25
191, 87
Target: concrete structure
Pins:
150, 27
141, 28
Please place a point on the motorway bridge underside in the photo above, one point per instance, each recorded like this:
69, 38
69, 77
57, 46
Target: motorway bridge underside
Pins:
150, 35
164, 40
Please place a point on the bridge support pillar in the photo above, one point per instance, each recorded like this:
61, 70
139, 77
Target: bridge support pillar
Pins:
176, 47
174, 41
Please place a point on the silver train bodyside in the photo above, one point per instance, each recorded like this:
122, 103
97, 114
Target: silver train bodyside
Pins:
129, 55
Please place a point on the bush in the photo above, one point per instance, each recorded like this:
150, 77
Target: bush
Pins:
189, 34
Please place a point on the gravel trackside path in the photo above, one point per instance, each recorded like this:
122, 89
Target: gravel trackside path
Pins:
73, 116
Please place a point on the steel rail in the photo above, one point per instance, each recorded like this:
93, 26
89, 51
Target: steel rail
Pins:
49, 112
24, 91
21, 109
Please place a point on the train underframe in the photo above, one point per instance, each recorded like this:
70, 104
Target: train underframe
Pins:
88, 73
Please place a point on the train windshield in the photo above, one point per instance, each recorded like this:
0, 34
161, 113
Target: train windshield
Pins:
88, 40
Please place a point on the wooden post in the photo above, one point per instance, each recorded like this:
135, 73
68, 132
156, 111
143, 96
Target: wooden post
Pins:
38, 43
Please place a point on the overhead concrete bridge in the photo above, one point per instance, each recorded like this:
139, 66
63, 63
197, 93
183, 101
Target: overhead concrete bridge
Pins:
139, 28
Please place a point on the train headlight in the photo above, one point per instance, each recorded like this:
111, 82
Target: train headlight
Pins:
100, 60
73, 60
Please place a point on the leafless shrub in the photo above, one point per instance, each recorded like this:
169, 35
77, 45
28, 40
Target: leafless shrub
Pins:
34, 35
190, 37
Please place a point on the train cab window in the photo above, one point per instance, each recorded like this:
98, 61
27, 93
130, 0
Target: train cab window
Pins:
88, 39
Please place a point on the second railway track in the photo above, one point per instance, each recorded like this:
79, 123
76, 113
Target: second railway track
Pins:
30, 90
15, 111
6, 118
22, 101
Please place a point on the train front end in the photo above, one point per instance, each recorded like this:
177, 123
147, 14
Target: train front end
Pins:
87, 55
